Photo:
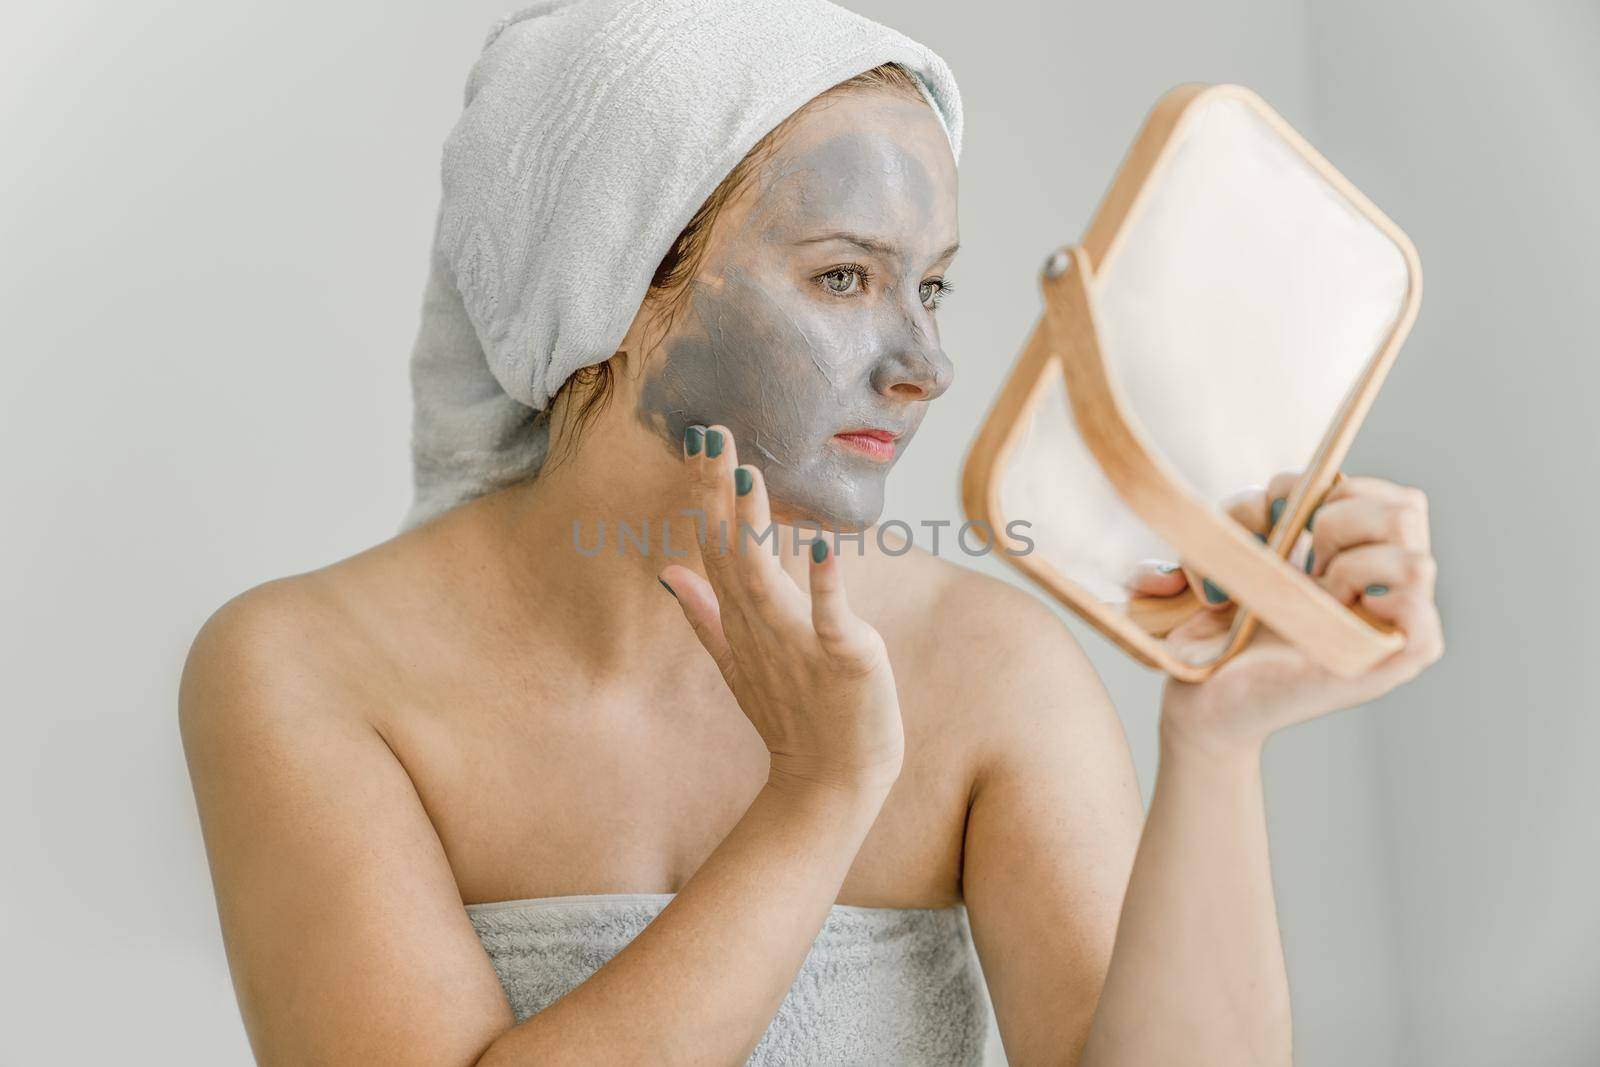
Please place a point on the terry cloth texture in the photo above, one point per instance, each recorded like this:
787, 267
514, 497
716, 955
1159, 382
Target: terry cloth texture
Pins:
880, 986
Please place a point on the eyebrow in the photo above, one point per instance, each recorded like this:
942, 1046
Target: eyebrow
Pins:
870, 244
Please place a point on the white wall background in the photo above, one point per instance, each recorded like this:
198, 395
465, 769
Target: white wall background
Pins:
216, 219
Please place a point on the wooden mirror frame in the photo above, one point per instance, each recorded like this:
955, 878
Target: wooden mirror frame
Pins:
1065, 340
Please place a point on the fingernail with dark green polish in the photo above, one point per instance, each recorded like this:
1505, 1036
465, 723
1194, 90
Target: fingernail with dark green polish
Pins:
1311, 558
667, 587
742, 480
1312, 518
819, 551
713, 443
1261, 537
693, 438
1377, 589
1277, 508
1214, 595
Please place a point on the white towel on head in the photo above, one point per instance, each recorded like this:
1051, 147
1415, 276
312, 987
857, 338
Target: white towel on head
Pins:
593, 131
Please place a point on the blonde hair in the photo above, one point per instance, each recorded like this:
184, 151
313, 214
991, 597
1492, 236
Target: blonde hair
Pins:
587, 391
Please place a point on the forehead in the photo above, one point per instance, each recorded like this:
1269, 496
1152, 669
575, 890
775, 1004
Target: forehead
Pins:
871, 162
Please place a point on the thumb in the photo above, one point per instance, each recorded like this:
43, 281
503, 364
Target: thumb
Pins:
703, 613
1159, 578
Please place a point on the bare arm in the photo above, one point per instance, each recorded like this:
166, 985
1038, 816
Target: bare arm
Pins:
1196, 973
703, 981
1197, 961
345, 931
1051, 831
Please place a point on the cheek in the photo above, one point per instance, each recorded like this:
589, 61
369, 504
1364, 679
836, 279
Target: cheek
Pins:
766, 361
828, 349
798, 339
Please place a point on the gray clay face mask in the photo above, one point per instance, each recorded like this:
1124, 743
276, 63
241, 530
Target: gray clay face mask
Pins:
790, 341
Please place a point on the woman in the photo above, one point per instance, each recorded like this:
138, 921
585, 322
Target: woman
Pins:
748, 819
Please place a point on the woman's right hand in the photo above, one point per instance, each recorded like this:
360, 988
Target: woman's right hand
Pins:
812, 676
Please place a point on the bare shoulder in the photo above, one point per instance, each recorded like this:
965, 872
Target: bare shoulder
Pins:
996, 656
939, 608
319, 845
277, 645
295, 664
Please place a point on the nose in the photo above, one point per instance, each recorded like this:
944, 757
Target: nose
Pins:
914, 368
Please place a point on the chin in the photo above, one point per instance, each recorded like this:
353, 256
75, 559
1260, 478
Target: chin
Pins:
844, 508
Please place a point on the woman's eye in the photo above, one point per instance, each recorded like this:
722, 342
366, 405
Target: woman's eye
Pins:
843, 280
940, 289
850, 280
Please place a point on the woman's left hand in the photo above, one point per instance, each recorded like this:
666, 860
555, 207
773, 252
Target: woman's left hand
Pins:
1369, 544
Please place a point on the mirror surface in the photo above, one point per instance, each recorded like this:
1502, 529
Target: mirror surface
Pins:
1238, 306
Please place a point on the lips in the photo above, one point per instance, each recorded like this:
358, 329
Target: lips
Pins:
870, 441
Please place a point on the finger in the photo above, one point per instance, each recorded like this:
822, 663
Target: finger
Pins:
1157, 577
699, 603
1366, 486
1392, 585
766, 586
1208, 592
1370, 572
838, 628
1280, 487
711, 457
830, 610
1413, 612
1248, 507
1369, 516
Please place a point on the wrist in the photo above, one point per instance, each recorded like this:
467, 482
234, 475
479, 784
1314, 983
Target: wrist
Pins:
827, 791
1208, 740
807, 772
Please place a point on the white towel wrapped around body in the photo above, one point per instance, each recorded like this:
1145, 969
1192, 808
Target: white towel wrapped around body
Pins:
593, 130
879, 986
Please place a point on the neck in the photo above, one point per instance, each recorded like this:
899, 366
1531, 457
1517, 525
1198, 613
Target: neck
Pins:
572, 556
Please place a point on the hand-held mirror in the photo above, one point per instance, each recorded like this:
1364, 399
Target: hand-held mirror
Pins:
1230, 313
